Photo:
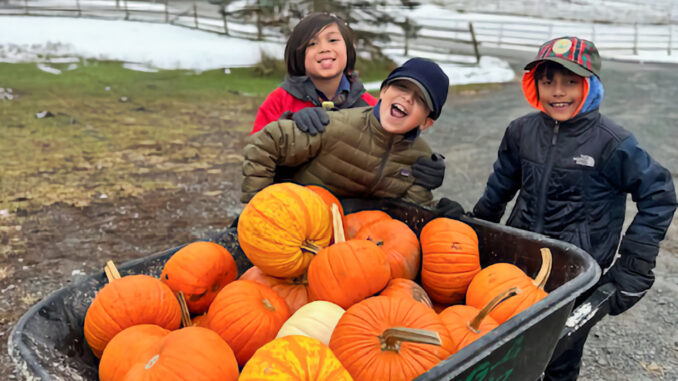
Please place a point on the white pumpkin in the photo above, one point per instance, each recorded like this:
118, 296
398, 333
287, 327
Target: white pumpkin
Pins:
315, 319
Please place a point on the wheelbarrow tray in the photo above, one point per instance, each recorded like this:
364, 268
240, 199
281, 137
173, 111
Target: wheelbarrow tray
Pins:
48, 342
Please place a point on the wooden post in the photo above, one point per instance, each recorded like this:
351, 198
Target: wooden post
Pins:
77, 3
475, 42
223, 16
166, 11
635, 39
670, 38
26, 6
195, 15
501, 32
126, 11
593, 32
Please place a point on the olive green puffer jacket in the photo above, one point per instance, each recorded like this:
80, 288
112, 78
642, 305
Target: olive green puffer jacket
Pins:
354, 157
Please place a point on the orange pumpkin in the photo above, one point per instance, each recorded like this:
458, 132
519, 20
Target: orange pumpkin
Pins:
450, 259
387, 338
293, 290
126, 347
247, 315
348, 272
191, 353
405, 288
128, 301
353, 222
466, 324
399, 243
294, 358
499, 277
199, 270
327, 197
282, 227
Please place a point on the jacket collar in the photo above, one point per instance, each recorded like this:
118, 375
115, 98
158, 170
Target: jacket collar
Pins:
301, 87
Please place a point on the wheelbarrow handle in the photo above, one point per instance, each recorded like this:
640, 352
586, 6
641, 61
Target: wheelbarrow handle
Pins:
584, 316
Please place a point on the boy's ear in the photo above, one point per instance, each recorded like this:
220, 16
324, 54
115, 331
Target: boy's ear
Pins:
427, 123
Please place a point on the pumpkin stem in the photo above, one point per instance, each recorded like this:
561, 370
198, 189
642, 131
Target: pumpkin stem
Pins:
301, 279
545, 270
111, 271
268, 304
185, 314
391, 338
310, 247
474, 324
337, 225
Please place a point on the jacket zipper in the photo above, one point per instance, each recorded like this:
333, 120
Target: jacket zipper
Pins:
541, 201
384, 157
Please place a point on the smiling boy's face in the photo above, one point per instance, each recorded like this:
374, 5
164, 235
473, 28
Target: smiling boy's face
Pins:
561, 95
403, 108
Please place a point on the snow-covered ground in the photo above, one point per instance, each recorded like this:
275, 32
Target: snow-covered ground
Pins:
149, 46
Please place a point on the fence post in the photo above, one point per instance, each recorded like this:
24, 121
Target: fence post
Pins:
126, 11
195, 15
475, 42
501, 32
635, 39
593, 31
223, 16
77, 2
166, 11
670, 38
26, 6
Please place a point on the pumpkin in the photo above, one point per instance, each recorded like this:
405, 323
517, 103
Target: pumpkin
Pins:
124, 349
293, 290
282, 227
353, 222
348, 271
450, 259
199, 270
191, 353
247, 315
399, 243
128, 301
405, 288
316, 319
497, 278
466, 324
294, 358
327, 197
387, 338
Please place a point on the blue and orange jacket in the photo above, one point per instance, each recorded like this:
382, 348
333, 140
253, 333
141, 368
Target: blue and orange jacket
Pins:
572, 180
297, 93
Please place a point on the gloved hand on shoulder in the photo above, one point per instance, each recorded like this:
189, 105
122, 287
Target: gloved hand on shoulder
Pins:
632, 275
429, 172
448, 208
311, 120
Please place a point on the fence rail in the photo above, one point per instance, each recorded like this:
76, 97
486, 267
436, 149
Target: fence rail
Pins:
445, 39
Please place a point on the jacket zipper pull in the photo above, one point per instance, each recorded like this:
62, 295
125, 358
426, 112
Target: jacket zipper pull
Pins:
556, 127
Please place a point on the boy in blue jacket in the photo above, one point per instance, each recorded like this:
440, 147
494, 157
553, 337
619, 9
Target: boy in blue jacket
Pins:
573, 168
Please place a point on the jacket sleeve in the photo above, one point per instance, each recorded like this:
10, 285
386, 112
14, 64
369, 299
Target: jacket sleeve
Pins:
419, 195
269, 111
503, 183
280, 143
633, 171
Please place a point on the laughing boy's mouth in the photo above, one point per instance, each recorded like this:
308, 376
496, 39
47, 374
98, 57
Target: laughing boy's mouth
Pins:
398, 110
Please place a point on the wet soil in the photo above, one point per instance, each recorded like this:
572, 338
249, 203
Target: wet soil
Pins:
45, 248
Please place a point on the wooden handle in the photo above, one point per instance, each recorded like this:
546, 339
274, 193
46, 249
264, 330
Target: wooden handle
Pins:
111, 271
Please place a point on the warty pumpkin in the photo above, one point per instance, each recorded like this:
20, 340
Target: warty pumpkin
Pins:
467, 324
386, 338
125, 349
128, 301
399, 243
497, 278
293, 290
450, 259
282, 227
355, 221
199, 270
406, 288
294, 358
247, 315
315, 319
191, 353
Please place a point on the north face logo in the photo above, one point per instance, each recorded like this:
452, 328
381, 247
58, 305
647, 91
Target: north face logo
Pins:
584, 160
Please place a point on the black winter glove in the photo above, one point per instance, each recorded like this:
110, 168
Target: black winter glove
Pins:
429, 171
632, 274
448, 208
311, 120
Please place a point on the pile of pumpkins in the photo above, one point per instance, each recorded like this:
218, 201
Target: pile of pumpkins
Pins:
330, 297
